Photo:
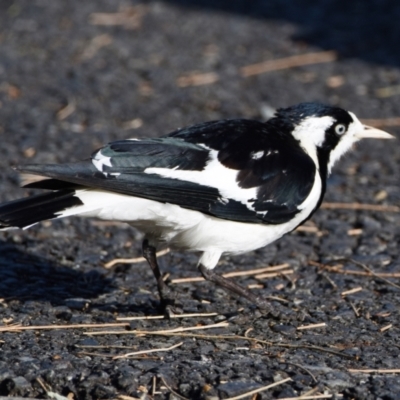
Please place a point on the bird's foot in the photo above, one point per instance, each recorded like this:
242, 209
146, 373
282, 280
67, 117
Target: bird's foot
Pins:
171, 308
169, 303
264, 305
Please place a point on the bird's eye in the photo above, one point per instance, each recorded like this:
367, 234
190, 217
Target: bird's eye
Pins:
340, 129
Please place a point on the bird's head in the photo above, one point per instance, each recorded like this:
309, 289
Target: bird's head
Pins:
325, 132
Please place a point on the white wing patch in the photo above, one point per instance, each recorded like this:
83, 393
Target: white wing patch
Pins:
100, 160
214, 175
256, 155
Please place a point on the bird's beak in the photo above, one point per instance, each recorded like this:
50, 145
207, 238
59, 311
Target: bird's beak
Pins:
373, 133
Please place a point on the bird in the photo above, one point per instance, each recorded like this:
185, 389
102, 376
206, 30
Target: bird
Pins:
222, 187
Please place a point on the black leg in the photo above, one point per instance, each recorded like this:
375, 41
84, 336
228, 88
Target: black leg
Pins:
210, 275
167, 299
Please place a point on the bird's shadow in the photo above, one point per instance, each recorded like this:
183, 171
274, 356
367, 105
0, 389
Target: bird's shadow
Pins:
366, 29
27, 277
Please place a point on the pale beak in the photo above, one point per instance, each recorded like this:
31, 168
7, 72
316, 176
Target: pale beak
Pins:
373, 133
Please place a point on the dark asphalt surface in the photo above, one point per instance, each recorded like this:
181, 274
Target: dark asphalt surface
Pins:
71, 80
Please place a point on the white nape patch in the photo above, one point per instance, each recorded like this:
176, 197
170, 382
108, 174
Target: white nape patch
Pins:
311, 133
100, 160
214, 175
256, 155
346, 141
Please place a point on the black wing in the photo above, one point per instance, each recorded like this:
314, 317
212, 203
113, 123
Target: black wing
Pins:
266, 158
279, 184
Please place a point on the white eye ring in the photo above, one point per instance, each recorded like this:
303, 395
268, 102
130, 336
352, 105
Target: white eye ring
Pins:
340, 129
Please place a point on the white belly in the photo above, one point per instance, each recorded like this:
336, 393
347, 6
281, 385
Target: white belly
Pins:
181, 228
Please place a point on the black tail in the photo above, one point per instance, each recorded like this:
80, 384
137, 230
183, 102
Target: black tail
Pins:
28, 211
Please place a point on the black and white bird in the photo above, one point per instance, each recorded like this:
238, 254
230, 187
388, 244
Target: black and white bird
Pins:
220, 187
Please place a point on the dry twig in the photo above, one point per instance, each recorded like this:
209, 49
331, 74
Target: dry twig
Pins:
382, 122
161, 332
234, 274
145, 317
17, 327
311, 326
228, 337
171, 390
259, 390
106, 355
94, 46
288, 62
317, 396
274, 274
352, 291
66, 111
136, 353
373, 273
339, 269
135, 260
303, 368
197, 79
129, 17
374, 371
360, 206
385, 328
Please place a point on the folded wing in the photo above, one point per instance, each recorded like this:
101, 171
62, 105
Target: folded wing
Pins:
243, 174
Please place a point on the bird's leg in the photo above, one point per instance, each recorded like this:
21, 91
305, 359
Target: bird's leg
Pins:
167, 300
227, 284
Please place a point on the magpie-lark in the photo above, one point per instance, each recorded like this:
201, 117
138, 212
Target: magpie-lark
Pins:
220, 187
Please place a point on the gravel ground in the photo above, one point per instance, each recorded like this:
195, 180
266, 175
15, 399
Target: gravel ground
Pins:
71, 79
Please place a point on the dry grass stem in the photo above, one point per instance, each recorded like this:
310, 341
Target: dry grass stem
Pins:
234, 274
385, 328
259, 390
274, 274
311, 326
129, 18
255, 286
360, 206
136, 353
193, 315
306, 370
308, 229
355, 232
95, 45
171, 390
188, 280
66, 111
161, 332
125, 397
316, 396
288, 62
356, 313
230, 337
197, 79
382, 122
133, 260
276, 298
373, 273
352, 291
17, 328
374, 371
339, 269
